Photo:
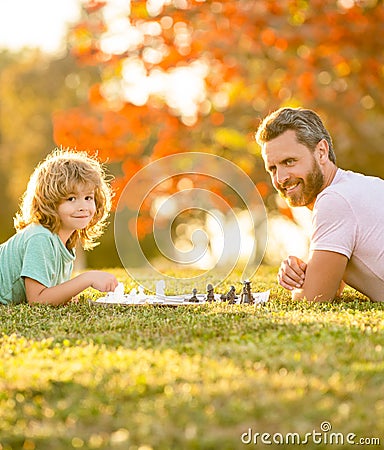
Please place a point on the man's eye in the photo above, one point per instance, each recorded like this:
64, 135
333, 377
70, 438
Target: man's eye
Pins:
289, 162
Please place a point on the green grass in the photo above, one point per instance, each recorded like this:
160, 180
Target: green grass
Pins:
192, 377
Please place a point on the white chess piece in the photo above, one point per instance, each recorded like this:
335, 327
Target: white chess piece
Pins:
141, 297
160, 289
261, 297
133, 295
118, 294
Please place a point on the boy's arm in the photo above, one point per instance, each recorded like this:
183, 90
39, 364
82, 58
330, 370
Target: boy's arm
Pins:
63, 293
323, 277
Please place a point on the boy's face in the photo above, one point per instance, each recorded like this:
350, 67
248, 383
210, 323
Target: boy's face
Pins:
76, 210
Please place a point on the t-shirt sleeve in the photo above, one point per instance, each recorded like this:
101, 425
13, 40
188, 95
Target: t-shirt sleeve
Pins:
334, 227
39, 260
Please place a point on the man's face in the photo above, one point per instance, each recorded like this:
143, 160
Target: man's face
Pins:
294, 169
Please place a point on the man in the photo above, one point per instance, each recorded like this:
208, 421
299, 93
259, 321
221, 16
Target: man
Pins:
347, 240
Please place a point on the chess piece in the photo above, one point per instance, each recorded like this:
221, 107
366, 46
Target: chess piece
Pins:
231, 295
249, 290
194, 299
118, 294
246, 294
210, 294
141, 297
133, 295
160, 289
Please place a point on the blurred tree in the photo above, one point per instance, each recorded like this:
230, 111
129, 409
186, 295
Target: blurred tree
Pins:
197, 75
32, 85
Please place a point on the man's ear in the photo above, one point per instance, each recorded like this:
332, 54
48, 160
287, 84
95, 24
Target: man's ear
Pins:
322, 149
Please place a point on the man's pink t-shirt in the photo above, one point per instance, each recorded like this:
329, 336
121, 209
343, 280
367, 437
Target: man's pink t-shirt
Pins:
348, 218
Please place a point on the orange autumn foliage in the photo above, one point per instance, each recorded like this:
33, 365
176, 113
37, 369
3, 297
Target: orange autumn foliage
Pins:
258, 55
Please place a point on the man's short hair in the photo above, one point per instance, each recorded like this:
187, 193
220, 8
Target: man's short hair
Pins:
307, 125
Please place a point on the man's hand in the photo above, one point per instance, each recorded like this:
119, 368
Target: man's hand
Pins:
319, 280
291, 274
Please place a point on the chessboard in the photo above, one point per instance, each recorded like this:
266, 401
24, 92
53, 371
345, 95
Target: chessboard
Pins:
138, 297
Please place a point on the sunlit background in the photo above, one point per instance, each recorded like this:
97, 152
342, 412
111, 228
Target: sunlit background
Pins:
139, 81
39, 24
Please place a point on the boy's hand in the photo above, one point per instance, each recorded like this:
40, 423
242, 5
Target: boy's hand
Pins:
103, 281
291, 274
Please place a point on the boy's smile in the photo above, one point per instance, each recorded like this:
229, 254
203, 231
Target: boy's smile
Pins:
76, 211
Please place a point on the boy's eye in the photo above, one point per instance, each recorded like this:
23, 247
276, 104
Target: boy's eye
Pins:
89, 197
71, 199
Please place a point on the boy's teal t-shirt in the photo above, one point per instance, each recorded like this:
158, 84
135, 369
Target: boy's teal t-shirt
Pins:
34, 252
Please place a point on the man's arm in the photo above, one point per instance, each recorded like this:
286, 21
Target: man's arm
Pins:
323, 276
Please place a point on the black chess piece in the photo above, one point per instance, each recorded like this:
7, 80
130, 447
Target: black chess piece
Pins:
223, 297
249, 290
194, 298
246, 294
231, 295
210, 294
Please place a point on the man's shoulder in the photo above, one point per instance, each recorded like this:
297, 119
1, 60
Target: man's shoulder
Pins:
351, 194
349, 185
349, 178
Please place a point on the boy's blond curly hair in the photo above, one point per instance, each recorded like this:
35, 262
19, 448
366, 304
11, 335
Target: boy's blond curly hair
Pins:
52, 181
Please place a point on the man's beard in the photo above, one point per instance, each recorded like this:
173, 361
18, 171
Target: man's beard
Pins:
308, 188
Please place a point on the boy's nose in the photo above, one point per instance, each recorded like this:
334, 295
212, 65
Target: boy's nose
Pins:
82, 206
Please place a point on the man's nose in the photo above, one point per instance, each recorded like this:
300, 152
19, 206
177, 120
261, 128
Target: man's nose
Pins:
281, 175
